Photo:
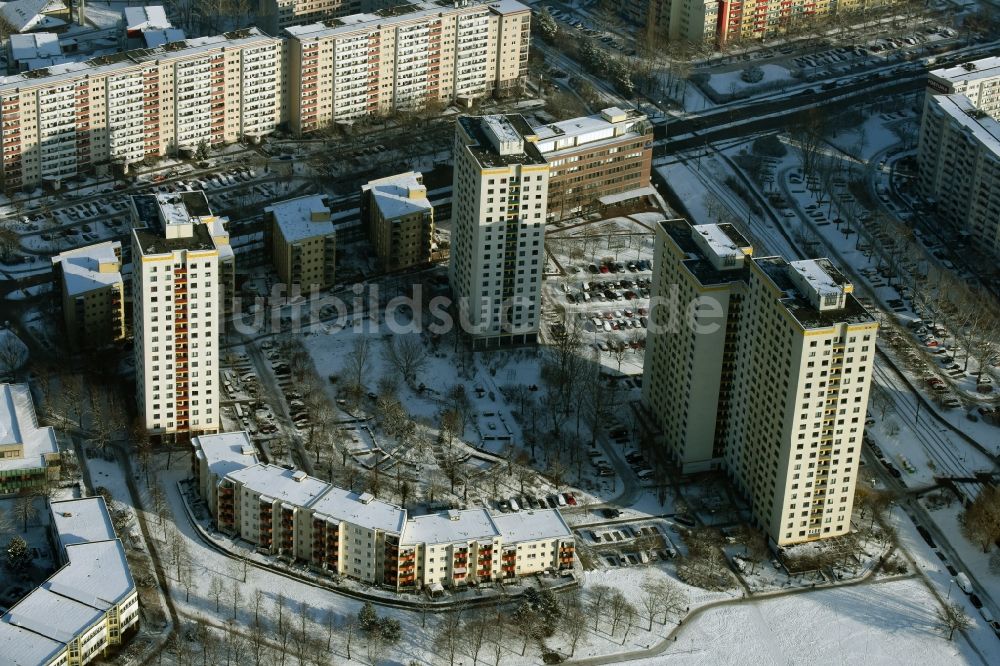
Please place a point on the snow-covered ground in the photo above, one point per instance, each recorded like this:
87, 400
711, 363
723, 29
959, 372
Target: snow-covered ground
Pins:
731, 83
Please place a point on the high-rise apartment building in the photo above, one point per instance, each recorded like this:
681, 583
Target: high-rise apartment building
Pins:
400, 220
760, 367
958, 155
595, 156
118, 109
721, 21
178, 272
499, 199
93, 294
304, 244
404, 58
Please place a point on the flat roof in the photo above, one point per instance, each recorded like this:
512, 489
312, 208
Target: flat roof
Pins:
723, 239
695, 260
477, 128
414, 11
360, 509
567, 135
450, 527
107, 64
82, 521
532, 525
281, 484
294, 218
53, 615
970, 71
392, 195
778, 271
226, 452
81, 267
22, 647
983, 127
97, 574
18, 425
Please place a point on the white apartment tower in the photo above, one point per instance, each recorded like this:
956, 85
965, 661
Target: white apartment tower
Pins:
771, 386
499, 200
177, 273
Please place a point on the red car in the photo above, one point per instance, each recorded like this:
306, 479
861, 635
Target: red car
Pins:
570, 499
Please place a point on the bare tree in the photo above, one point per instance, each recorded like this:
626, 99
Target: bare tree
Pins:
24, 508
953, 617
597, 603
216, 589
475, 636
407, 355
449, 638
358, 363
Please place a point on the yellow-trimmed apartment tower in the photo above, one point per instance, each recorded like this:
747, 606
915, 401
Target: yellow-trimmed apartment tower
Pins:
760, 367
304, 244
499, 195
181, 260
93, 294
400, 220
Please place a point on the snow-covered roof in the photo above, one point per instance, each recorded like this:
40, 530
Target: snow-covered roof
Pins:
24, 15
35, 45
19, 426
532, 526
22, 647
975, 69
450, 527
295, 488
97, 574
154, 37
399, 195
226, 452
148, 16
360, 509
82, 521
302, 218
107, 64
91, 267
378, 19
984, 128
611, 123
53, 615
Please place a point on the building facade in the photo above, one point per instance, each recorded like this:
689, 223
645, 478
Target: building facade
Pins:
93, 294
87, 606
302, 519
595, 156
116, 110
29, 454
179, 271
499, 197
764, 372
400, 220
958, 154
304, 246
404, 58
273, 16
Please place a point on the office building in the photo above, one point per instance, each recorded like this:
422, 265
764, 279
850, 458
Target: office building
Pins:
115, 110
93, 294
958, 154
499, 196
87, 606
400, 220
768, 379
29, 454
304, 245
595, 156
299, 518
178, 275
402, 58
